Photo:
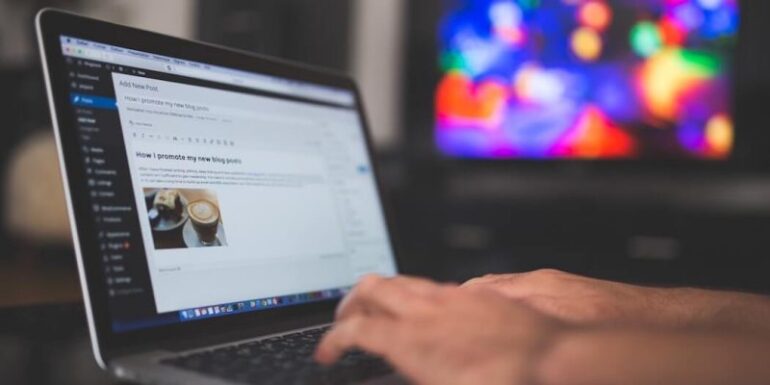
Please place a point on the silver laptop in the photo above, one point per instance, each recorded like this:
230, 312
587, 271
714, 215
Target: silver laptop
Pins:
221, 205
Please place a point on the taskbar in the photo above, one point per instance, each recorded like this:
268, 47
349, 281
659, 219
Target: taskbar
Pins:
260, 304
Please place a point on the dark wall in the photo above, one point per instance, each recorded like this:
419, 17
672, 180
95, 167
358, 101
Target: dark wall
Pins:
308, 31
753, 85
23, 104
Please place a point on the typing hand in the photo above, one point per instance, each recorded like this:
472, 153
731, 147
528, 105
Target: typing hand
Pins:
442, 335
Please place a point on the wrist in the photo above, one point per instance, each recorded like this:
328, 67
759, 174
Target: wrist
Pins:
706, 309
675, 307
683, 307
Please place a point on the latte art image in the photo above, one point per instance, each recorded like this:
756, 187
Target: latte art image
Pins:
204, 217
203, 212
184, 218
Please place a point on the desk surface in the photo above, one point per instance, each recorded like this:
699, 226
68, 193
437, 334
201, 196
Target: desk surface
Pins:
43, 337
23, 284
44, 345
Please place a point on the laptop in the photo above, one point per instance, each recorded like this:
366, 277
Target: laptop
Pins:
221, 205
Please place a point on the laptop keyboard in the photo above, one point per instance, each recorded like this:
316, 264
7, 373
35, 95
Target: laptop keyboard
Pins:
284, 359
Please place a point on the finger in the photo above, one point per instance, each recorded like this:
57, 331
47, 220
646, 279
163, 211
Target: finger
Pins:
394, 296
370, 333
491, 279
515, 286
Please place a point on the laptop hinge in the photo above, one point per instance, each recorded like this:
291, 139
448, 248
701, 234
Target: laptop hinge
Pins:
201, 340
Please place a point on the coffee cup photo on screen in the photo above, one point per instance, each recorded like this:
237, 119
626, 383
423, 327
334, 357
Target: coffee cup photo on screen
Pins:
184, 218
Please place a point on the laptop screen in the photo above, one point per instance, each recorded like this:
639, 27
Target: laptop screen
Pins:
216, 191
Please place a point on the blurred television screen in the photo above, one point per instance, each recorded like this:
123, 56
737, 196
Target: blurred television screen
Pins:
586, 79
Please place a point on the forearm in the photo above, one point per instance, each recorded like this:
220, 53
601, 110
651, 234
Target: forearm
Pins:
607, 357
713, 310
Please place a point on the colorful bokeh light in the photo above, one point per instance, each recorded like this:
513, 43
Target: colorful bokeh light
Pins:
595, 14
669, 76
719, 135
646, 39
587, 79
594, 136
587, 44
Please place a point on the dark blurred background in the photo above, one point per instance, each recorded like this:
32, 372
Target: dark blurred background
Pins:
665, 225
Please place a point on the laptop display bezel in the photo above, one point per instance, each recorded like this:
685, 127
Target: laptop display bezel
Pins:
51, 25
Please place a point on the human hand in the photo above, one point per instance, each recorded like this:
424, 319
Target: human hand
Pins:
583, 300
442, 335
